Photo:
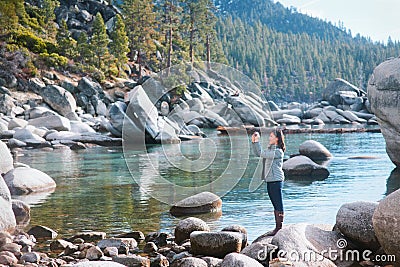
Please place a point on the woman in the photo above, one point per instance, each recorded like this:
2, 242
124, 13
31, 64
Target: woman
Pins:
274, 175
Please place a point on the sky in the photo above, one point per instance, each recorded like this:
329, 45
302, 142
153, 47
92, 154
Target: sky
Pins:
377, 19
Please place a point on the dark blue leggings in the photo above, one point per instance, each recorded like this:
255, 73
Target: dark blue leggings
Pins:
275, 194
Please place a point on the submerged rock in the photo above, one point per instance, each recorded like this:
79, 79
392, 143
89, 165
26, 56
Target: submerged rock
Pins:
204, 202
24, 180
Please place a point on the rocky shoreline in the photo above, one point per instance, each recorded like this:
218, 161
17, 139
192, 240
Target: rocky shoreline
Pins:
361, 232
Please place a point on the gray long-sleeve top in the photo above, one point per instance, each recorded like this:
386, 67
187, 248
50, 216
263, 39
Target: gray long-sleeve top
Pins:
272, 162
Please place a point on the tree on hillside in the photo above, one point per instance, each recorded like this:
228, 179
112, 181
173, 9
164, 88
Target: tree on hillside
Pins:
171, 18
194, 20
85, 54
141, 27
119, 46
99, 42
66, 44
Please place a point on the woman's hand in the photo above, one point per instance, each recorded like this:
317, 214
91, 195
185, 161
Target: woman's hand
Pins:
255, 137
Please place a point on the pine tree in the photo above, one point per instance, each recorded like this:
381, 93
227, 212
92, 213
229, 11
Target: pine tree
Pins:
195, 17
119, 46
66, 44
99, 42
171, 18
85, 54
141, 27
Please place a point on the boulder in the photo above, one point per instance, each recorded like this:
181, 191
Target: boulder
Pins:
215, 244
190, 262
337, 87
52, 122
212, 262
349, 115
89, 87
277, 115
16, 123
6, 163
308, 245
185, 227
60, 100
24, 180
261, 251
123, 244
42, 232
37, 112
159, 239
81, 127
314, 150
22, 212
239, 260
142, 112
132, 260
195, 104
6, 104
7, 218
94, 253
26, 136
289, 120
117, 115
89, 236
304, 167
13, 143
386, 222
246, 111
383, 94
60, 245
98, 264
204, 202
354, 220
36, 85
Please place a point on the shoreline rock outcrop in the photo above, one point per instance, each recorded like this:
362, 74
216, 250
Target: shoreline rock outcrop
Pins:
384, 94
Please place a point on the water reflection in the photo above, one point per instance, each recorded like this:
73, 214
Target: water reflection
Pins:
393, 182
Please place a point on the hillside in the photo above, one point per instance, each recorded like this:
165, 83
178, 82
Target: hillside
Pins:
293, 56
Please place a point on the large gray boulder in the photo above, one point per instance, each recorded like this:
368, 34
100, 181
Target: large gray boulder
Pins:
26, 136
354, 220
239, 260
304, 167
6, 104
337, 91
60, 100
142, 112
185, 227
215, 244
89, 87
52, 122
24, 180
307, 245
7, 218
383, 94
386, 222
314, 150
6, 162
247, 111
204, 202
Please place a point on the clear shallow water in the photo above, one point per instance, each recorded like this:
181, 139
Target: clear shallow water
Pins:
96, 191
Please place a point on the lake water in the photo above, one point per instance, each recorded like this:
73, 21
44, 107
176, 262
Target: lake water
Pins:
96, 191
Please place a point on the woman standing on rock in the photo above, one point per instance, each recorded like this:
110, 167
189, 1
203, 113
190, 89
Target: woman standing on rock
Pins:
272, 173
